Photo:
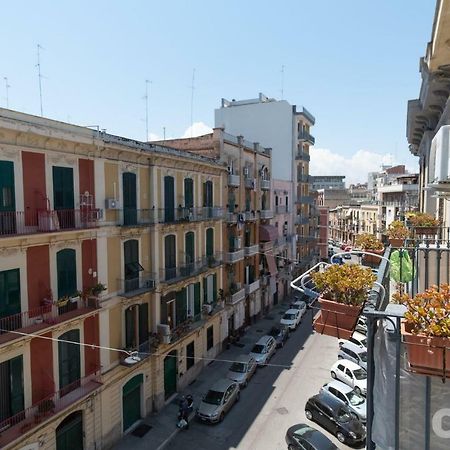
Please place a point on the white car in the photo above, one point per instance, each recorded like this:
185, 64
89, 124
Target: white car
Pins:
361, 326
357, 338
353, 352
348, 396
291, 318
300, 305
351, 374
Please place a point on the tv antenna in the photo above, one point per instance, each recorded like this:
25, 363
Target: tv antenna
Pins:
164, 133
7, 86
282, 82
192, 100
147, 82
38, 65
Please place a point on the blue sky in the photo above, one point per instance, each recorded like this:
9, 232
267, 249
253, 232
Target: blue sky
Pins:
353, 64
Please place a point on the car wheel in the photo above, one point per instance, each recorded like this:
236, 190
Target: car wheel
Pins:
222, 415
340, 437
308, 414
358, 390
333, 374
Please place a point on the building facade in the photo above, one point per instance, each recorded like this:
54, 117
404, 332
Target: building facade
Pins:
327, 182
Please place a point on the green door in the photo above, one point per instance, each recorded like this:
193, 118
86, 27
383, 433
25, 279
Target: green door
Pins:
131, 401
63, 196
190, 253
169, 257
69, 361
10, 297
11, 388
7, 198
188, 193
66, 272
131, 263
180, 306
129, 198
210, 242
143, 323
170, 374
208, 197
69, 434
169, 199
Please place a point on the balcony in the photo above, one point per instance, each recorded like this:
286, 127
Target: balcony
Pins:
305, 200
46, 316
16, 426
280, 241
233, 256
264, 185
249, 216
189, 269
237, 297
301, 220
302, 178
251, 250
249, 183
265, 214
234, 180
252, 287
13, 223
303, 156
303, 135
281, 209
266, 246
134, 286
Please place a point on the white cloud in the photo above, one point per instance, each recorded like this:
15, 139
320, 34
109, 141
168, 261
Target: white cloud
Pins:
197, 129
355, 168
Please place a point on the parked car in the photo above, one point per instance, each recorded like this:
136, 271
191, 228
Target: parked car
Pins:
242, 370
351, 374
357, 338
218, 401
335, 417
353, 352
280, 334
361, 325
302, 436
291, 318
337, 260
263, 350
347, 396
300, 305
347, 256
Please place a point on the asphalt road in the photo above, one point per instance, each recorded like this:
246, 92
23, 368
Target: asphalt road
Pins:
274, 399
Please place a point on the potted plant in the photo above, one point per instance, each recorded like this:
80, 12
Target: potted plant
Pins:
423, 223
63, 301
97, 289
426, 330
343, 291
397, 233
369, 243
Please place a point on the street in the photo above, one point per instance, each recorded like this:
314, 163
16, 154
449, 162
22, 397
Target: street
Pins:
275, 397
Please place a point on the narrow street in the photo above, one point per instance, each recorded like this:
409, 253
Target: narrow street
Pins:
274, 399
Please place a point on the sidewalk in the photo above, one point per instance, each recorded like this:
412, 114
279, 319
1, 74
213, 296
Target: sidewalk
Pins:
163, 424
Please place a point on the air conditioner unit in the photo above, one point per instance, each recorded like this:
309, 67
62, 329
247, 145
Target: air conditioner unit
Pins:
440, 147
111, 203
163, 329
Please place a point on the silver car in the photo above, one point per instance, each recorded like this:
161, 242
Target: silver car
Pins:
242, 370
263, 350
217, 402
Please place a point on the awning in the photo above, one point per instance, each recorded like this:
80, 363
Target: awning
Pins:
271, 263
268, 233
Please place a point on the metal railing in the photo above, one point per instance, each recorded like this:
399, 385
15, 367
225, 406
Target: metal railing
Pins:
303, 156
236, 297
301, 220
303, 135
251, 286
281, 209
145, 281
233, 255
265, 214
251, 249
305, 200
302, 178
264, 184
234, 180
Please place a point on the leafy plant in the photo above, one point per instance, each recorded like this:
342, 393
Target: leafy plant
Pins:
347, 283
368, 241
397, 230
428, 313
97, 289
419, 219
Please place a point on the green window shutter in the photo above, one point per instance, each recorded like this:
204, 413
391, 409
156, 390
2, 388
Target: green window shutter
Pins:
63, 195
9, 292
130, 328
188, 193
190, 247
215, 287
169, 199
180, 305
66, 272
205, 290
143, 323
16, 384
197, 300
7, 190
210, 242
69, 358
129, 198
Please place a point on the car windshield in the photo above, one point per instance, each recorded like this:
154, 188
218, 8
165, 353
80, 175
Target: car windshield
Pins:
274, 332
289, 316
343, 416
213, 397
354, 398
363, 356
238, 367
303, 430
258, 348
360, 374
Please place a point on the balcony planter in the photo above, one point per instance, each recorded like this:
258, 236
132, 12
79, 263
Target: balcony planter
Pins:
426, 231
397, 233
369, 243
343, 293
423, 224
396, 242
372, 259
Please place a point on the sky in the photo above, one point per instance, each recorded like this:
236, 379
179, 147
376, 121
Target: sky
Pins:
354, 64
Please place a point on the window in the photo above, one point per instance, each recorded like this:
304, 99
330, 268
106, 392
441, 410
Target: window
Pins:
7, 195
10, 294
210, 288
170, 256
190, 355
11, 387
69, 361
209, 337
188, 193
63, 196
66, 272
136, 326
131, 264
210, 242
189, 247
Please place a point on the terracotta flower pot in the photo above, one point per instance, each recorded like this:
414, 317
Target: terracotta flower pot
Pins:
371, 259
336, 319
427, 355
426, 231
396, 242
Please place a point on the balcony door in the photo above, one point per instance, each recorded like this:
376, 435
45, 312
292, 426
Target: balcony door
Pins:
7, 198
170, 257
69, 361
63, 196
190, 252
208, 198
210, 242
169, 199
66, 270
129, 198
10, 299
132, 266
11, 388
188, 193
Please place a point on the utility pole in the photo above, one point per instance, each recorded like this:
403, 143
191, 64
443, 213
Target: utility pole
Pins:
192, 99
164, 133
38, 65
7, 86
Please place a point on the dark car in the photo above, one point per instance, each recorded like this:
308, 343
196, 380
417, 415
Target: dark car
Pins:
302, 436
335, 417
280, 334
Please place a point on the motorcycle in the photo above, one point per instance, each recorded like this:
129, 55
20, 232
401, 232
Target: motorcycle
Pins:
186, 407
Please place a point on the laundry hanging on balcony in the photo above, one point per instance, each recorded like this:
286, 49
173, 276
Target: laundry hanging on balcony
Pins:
401, 269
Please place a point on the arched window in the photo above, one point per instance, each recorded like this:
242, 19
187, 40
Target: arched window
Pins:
131, 401
69, 434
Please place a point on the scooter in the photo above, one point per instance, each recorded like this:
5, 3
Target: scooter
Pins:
185, 409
